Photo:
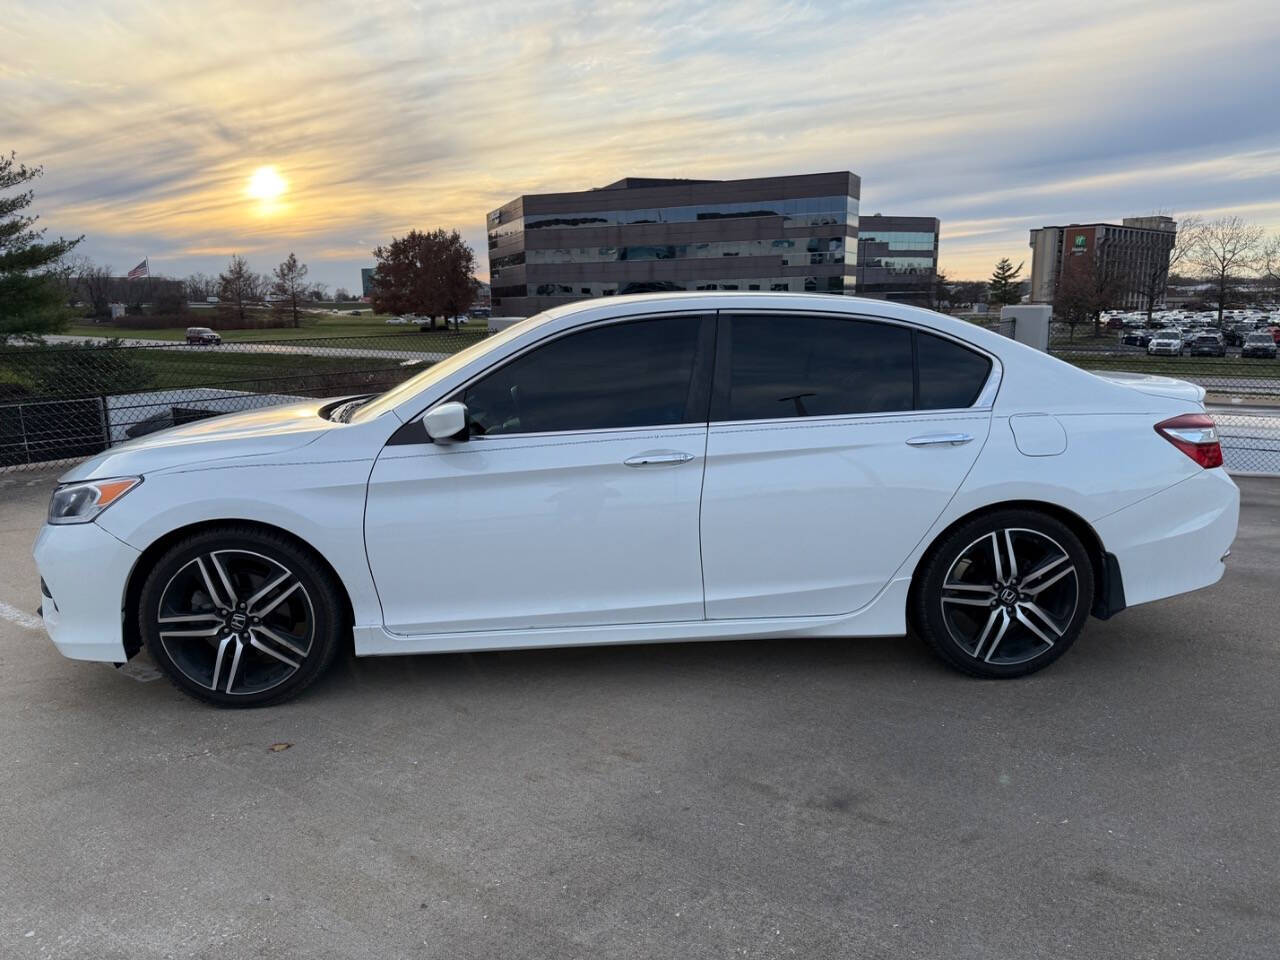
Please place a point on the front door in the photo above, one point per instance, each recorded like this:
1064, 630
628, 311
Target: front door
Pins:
575, 501
835, 443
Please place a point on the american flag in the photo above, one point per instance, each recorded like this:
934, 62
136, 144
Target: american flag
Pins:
141, 270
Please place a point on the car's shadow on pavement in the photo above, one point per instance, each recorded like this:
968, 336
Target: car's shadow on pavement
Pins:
1109, 658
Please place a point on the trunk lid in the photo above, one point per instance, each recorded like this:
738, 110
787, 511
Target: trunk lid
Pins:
1154, 385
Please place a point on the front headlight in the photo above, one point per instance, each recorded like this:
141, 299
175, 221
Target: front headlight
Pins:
82, 502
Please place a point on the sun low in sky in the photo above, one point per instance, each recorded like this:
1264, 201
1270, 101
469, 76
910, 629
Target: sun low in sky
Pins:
266, 185
407, 115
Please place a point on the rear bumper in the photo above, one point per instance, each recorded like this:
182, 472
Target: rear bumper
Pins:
1174, 541
84, 570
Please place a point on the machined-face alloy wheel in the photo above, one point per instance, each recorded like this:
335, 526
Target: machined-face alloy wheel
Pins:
236, 622
1010, 596
1004, 594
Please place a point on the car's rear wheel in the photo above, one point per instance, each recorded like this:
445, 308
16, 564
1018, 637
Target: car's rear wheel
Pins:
240, 617
1005, 594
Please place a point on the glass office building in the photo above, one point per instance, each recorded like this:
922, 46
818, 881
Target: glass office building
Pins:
898, 258
642, 235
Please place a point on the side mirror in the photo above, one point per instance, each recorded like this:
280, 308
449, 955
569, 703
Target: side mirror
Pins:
446, 422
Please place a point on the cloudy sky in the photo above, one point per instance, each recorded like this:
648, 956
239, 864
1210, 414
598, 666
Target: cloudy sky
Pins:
151, 116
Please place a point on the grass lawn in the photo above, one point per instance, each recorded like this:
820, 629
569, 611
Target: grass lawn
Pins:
172, 368
1141, 362
313, 325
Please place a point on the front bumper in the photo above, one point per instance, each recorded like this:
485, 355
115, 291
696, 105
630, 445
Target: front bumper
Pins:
84, 570
1164, 351
1176, 540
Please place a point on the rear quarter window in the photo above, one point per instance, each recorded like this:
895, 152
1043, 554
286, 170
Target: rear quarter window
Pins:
950, 375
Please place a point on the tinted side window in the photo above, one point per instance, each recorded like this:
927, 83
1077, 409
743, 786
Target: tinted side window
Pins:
950, 375
798, 366
623, 375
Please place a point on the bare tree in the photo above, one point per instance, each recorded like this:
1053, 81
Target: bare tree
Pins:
1151, 279
93, 284
342, 295
289, 286
259, 285
1083, 292
1269, 267
236, 284
136, 292
1226, 249
200, 287
318, 291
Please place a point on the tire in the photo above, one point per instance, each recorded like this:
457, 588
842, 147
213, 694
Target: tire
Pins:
240, 617
973, 624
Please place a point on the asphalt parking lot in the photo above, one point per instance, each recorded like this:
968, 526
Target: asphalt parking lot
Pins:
760, 799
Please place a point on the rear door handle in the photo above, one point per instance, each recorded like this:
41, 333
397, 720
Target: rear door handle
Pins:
658, 458
931, 439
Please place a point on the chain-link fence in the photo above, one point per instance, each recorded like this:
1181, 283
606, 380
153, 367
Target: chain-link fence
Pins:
66, 401
60, 403
1242, 385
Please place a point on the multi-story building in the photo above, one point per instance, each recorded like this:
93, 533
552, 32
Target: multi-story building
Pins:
1135, 253
898, 258
642, 235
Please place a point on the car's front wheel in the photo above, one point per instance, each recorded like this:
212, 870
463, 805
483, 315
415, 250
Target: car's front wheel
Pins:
240, 617
1005, 594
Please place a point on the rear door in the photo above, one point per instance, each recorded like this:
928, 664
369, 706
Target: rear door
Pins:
834, 444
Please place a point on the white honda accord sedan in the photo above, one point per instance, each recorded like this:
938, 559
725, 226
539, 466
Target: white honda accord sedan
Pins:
647, 469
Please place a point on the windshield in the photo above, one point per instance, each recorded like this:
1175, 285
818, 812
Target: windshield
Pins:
438, 370
1260, 338
1169, 334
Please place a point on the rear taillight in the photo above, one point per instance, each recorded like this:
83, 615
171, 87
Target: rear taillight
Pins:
1196, 435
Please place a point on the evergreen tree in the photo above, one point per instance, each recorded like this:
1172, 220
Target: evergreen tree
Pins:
31, 290
1003, 287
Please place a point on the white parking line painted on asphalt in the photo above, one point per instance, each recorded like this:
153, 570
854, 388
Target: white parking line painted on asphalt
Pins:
21, 618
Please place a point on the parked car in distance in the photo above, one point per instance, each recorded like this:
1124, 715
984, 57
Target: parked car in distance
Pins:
1207, 345
1259, 344
399, 321
1137, 338
203, 335
1168, 342
643, 469
450, 323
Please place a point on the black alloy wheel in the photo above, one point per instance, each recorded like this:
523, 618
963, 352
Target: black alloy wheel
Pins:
240, 617
1005, 594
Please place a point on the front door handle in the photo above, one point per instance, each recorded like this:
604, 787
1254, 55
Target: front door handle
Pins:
931, 439
658, 458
